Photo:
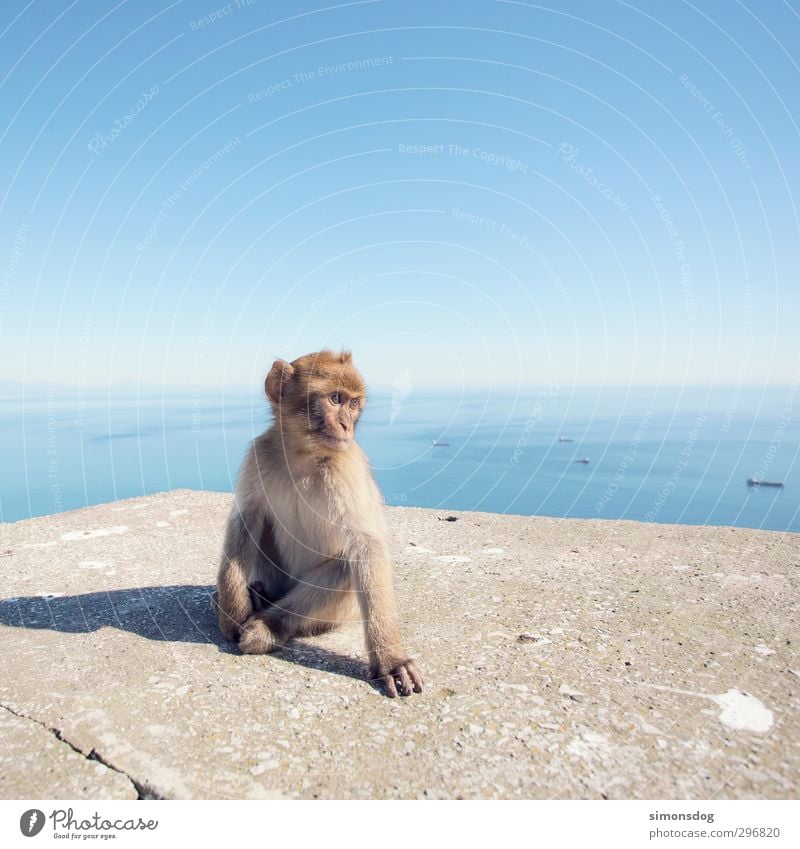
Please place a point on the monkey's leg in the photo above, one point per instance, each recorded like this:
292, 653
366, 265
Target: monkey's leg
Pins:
249, 557
317, 603
233, 598
259, 598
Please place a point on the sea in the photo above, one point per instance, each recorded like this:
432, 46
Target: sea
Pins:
653, 454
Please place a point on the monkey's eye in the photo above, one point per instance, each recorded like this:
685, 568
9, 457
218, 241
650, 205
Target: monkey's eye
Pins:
336, 398
354, 403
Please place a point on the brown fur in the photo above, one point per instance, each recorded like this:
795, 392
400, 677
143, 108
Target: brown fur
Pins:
307, 538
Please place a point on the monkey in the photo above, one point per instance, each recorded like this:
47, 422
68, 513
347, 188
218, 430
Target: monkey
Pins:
307, 539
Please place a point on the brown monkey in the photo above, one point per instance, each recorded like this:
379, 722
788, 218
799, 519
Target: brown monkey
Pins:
307, 535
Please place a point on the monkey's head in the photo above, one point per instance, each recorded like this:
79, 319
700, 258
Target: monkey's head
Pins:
317, 400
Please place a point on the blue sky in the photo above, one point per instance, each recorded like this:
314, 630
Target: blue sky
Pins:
466, 194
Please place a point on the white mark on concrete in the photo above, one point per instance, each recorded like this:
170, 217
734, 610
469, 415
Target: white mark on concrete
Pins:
492, 551
588, 745
743, 712
178, 512
48, 596
140, 506
162, 524
738, 579
419, 549
452, 558
41, 544
97, 532
95, 564
261, 768
740, 711
762, 649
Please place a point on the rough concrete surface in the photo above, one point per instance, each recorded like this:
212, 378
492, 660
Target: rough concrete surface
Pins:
562, 658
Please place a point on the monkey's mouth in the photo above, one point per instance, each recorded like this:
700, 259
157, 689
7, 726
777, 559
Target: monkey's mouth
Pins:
340, 444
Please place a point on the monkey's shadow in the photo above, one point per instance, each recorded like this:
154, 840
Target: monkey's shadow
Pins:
179, 613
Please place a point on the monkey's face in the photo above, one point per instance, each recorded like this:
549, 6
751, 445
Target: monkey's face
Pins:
318, 397
333, 416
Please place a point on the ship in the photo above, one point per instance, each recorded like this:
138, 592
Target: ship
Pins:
759, 482
565, 439
582, 460
438, 444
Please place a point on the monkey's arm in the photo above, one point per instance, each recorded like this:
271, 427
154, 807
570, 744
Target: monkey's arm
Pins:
371, 568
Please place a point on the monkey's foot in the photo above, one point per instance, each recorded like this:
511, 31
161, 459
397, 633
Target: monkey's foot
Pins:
403, 675
256, 637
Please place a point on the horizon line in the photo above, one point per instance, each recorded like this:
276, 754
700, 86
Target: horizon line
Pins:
183, 389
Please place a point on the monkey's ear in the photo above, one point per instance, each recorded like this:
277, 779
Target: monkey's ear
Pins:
279, 375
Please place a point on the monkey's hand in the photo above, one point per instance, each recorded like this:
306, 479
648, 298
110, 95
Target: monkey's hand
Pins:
402, 675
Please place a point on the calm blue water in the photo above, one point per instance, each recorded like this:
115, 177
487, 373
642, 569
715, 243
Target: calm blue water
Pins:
669, 455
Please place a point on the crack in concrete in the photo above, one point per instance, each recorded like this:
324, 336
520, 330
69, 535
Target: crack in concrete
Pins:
143, 790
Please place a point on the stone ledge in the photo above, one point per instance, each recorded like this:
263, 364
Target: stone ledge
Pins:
563, 659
